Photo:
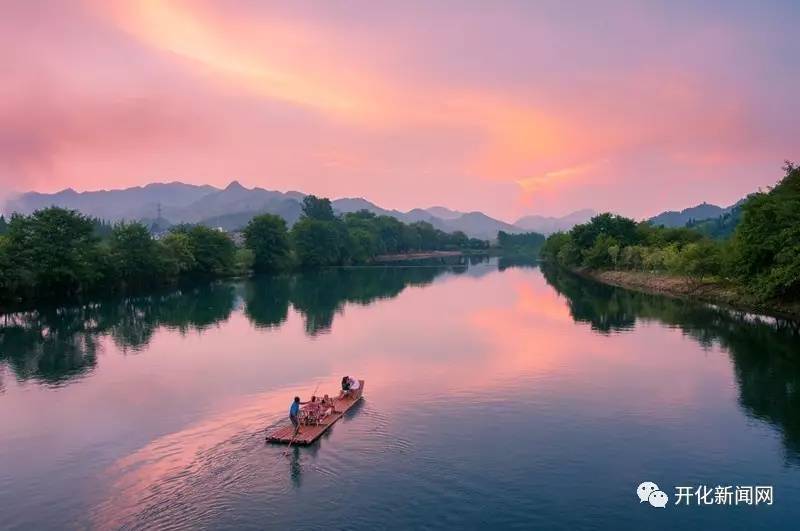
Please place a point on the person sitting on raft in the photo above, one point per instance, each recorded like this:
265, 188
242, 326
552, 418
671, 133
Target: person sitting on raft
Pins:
345, 386
312, 407
327, 406
349, 387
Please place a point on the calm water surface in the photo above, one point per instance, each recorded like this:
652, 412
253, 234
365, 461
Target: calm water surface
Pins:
496, 397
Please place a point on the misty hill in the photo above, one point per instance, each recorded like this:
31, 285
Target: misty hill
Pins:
290, 211
473, 224
721, 227
696, 213
113, 205
479, 225
548, 225
232, 207
444, 213
354, 204
235, 199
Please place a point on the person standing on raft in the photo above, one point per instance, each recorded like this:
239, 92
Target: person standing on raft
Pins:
294, 413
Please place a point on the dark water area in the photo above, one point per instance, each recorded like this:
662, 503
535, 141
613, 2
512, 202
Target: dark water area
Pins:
499, 394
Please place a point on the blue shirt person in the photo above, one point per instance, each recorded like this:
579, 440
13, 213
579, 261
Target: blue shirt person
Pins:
294, 412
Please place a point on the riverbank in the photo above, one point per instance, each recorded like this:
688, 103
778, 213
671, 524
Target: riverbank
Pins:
689, 288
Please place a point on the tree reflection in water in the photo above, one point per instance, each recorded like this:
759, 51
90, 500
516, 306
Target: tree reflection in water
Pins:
765, 351
54, 345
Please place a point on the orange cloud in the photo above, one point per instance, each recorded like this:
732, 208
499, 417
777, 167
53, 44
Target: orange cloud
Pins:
188, 32
298, 64
393, 103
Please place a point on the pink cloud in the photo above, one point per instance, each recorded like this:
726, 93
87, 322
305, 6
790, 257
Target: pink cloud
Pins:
537, 110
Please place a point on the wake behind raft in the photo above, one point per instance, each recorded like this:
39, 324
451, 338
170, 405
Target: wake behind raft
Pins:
314, 421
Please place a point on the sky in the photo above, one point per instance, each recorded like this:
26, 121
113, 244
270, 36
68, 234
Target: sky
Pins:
508, 107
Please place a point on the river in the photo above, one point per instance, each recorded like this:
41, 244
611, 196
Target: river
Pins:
498, 395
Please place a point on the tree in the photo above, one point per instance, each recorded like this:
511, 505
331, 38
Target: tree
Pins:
266, 236
526, 244
599, 255
632, 257
364, 244
5, 269
390, 235
318, 208
569, 254
52, 252
243, 261
700, 259
317, 243
3, 225
213, 251
362, 227
102, 229
767, 239
426, 237
135, 255
623, 230
177, 254
553, 245
457, 239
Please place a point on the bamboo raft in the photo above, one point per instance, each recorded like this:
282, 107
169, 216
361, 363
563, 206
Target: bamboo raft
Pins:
310, 433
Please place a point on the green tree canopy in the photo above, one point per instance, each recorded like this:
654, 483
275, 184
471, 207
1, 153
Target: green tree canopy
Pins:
317, 243
5, 267
135, 255
177, 253
621, 229
763, 255
268, 238
213, 251
528, 243
53, 250
767, 241
318, 208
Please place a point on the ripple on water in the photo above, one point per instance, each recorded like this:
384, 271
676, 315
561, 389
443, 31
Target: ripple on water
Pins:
214, 471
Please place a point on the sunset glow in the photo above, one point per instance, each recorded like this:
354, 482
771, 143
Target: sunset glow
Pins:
508, 108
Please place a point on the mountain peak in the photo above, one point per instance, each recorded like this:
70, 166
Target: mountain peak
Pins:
444, 212
235, 185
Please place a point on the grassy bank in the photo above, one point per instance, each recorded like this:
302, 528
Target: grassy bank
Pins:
694, 289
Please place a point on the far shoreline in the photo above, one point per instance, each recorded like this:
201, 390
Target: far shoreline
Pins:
402, 257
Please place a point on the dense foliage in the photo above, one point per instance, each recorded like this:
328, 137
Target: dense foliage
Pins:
766, 244
57, 253
267, 238
53, 251
719, 228
320, 238
763, 255
526, 244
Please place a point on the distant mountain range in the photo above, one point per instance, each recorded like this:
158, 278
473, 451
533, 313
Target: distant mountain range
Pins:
232, 207
693, 215
549, 225
672, 218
